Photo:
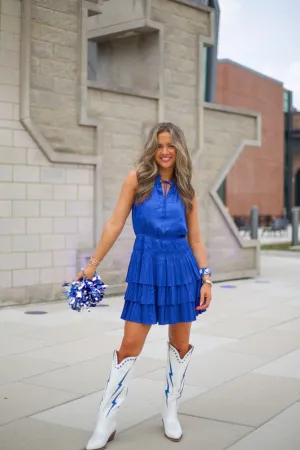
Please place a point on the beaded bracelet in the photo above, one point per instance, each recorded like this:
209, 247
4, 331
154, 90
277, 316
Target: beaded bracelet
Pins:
93, 262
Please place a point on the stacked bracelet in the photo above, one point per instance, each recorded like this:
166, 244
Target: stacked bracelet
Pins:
93, 262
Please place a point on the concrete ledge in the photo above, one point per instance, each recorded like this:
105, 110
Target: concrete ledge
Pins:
123, 29
282, 253
135, 92
50, 153
235, 275
93, 8
31, 294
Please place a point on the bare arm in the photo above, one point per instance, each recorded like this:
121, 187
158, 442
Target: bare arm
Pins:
116, 223
194, 236
198, 248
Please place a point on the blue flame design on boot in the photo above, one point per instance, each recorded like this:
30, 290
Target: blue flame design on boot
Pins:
175, 378
114, 395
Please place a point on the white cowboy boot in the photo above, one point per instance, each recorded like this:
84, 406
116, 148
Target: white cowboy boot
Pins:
114, 395
175, 378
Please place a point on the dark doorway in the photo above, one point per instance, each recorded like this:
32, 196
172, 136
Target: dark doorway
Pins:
297, 188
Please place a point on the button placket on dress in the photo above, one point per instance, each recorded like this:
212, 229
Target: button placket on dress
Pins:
165, 195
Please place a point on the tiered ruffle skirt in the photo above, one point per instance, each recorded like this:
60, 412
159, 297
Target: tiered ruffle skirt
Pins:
163, 282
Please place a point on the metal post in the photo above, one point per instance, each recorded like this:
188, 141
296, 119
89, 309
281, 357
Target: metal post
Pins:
295, 226
289, 161
254, 222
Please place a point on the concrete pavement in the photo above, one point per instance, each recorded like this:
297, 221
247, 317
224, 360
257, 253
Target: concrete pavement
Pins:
242, 388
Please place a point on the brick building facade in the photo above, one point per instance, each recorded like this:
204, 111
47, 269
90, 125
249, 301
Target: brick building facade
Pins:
257, 176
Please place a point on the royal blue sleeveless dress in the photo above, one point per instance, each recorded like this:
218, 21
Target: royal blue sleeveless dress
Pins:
163, 275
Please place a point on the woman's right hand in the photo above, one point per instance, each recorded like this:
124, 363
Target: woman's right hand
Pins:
89, 273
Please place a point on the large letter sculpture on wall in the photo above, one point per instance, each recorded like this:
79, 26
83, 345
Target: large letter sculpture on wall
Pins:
147, 67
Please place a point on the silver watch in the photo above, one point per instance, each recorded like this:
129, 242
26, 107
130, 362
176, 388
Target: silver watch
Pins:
207, 281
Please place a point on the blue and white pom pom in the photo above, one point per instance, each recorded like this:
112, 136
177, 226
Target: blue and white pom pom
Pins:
85, 293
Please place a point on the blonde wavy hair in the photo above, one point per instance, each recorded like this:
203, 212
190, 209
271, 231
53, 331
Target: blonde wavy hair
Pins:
147, 168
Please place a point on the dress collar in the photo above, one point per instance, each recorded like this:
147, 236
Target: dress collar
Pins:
159, 180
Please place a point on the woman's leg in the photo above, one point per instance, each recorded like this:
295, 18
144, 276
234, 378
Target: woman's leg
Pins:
133, 340
179, 353
179, 337
117, 385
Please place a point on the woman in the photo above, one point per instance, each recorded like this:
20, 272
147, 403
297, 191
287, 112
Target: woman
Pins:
168, 279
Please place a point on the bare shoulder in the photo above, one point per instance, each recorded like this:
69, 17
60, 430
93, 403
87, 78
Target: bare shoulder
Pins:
131, 179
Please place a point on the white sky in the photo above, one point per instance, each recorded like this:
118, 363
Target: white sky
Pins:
265, 36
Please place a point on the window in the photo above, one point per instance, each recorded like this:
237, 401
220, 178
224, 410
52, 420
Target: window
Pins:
204, 74
92, 60
287, 101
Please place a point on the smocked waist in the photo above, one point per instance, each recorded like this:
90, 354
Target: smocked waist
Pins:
168, 243
163, 237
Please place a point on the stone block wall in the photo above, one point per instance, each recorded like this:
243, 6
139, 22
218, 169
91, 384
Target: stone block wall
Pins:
46, 209
55, 59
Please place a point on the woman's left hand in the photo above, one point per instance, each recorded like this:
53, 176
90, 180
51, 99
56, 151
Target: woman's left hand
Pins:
205, 296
